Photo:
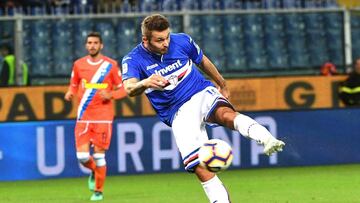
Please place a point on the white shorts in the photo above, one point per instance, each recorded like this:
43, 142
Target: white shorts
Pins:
189, 124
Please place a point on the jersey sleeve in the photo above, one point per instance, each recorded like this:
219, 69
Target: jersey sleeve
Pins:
130, 68
119, 92
116, 75
193, 50
75, 79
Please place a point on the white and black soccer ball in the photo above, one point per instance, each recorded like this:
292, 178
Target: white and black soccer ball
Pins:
215, 155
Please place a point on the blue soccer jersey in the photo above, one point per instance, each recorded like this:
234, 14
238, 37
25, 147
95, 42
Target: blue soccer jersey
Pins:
176, 66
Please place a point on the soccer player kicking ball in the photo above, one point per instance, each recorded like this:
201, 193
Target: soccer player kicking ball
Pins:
96, 79
163, 67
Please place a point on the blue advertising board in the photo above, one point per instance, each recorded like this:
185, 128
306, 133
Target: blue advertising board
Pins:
39, 150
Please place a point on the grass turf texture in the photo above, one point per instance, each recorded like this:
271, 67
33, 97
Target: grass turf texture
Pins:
328, 184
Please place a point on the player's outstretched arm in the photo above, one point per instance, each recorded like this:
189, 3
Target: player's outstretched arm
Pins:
117, 93
134, 87
210, 69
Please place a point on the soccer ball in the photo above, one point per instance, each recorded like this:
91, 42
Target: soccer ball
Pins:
215, 155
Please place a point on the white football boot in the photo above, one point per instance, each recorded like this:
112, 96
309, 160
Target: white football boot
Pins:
273, 145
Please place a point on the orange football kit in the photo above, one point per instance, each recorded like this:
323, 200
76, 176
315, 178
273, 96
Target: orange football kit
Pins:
95, 115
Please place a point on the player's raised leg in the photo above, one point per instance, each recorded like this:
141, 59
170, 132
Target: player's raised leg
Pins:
248, 127
252, 129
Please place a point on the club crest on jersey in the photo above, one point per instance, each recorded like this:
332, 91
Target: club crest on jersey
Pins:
169, 68
103, 71
173, 80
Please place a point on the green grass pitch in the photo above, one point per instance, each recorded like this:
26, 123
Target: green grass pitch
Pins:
326, 184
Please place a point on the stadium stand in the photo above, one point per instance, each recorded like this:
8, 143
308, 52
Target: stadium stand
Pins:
107, 31
91, 6
234, 40
243, 38
40, 40
315, 39
195, 30
191, 5
81, 27
7, 29
148, 5
176, 23
170, 5
125, 32
355, 35
212, 39
333, 25
274, 43
62, 45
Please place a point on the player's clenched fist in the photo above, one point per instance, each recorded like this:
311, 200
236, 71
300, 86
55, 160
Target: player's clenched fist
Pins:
68, 96
224, 91
105, 95
155, 81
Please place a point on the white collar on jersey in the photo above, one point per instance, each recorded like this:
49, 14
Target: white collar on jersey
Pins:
94, 63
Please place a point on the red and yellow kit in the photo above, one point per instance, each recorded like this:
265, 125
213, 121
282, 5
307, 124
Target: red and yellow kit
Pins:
94, 115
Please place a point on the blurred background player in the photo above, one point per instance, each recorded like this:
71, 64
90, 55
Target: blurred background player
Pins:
97, 80
8, 69
350, 89
328, 69
162, 67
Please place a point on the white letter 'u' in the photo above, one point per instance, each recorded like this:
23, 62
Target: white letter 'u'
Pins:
41, 152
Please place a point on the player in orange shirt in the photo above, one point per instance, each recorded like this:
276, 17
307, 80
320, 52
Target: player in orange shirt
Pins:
96, 79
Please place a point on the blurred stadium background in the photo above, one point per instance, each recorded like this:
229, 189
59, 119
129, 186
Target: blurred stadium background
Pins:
243, 37
270, 51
